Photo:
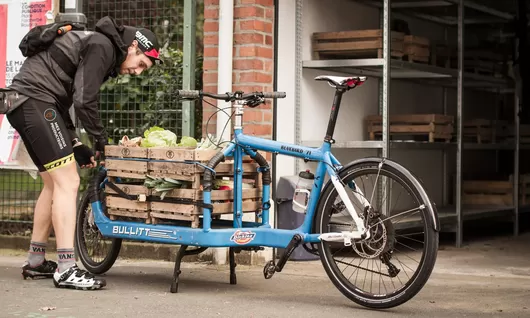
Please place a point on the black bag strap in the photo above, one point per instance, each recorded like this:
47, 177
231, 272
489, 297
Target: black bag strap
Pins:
158, 199
62, 60
120, 191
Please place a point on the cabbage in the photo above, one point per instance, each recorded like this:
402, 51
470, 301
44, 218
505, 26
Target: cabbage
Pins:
159, 137
187, 141
150, 130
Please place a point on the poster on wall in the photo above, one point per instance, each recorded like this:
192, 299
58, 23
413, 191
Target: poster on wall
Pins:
17, 17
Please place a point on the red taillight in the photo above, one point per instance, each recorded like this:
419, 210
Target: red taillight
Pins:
352, 82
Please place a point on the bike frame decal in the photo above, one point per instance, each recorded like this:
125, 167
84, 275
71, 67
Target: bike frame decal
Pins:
242, 237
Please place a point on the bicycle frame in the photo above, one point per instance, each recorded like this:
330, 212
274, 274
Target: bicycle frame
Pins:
249, 233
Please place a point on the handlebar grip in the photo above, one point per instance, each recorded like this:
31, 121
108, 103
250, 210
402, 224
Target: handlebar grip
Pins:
188, 93
274, 94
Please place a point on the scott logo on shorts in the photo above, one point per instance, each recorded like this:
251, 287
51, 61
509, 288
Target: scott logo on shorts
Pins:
58, 163
50, 114
240, 237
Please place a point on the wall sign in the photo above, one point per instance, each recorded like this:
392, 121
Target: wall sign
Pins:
17, 17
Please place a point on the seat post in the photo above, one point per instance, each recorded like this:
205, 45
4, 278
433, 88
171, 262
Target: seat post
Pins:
334, 114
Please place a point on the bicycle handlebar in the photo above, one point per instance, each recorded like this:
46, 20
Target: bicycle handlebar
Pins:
229, 96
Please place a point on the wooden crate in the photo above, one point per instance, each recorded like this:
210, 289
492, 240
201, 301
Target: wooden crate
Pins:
222, 201
121, 208
168, 163
132, 164
416, 49
432, 126
478, 61
495, 192
484, 130
484, 62
355, 44
135, 168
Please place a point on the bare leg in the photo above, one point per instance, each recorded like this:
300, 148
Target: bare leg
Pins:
42, 220
65, 185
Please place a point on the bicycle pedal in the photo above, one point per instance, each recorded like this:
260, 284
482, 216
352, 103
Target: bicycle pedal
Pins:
269, 269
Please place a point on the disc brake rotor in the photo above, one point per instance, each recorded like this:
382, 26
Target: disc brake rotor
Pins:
374, 246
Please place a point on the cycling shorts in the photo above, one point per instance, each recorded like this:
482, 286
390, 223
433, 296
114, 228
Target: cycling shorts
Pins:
44, 133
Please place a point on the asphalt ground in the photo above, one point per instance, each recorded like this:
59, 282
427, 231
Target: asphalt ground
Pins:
488, 277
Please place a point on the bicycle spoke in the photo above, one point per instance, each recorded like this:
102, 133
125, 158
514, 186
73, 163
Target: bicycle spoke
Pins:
399, 214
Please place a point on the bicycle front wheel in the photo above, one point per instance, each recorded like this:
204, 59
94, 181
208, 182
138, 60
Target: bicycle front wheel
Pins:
393, 265
97, 253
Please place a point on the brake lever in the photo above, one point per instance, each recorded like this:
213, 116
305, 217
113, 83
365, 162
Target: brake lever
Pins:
255, 102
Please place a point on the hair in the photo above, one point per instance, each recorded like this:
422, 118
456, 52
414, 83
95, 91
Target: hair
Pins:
138, 51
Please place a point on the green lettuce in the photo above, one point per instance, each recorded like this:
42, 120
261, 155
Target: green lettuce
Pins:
158, 137
188, 141
150, 130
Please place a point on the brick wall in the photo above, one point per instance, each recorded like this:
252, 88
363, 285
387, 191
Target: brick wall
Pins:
252, 59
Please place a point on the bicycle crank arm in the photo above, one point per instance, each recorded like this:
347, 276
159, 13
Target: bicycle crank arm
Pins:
345, 236
271, 268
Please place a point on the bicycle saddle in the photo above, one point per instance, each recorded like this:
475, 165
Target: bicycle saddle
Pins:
340, 81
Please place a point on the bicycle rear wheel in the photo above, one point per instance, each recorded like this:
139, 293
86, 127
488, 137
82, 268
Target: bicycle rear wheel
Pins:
97, 253
390, 253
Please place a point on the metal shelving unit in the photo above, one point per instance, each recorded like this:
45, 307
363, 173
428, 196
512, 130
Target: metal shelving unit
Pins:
451, 14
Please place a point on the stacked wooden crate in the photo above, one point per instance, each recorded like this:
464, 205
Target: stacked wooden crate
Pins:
485, 62
416, 48
495, 192
431, 127
481, 130
132, 169
355, 44
134, 164
476, 60
369, 44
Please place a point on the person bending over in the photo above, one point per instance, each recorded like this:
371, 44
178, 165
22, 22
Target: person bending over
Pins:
70, 72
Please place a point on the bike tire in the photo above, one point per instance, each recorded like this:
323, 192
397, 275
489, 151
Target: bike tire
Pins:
419, 279
81, 249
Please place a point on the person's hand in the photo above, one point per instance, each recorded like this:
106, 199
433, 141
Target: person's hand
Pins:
84, 156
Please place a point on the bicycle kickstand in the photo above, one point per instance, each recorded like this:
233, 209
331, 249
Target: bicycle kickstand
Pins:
232, 257
271, 268
176, 272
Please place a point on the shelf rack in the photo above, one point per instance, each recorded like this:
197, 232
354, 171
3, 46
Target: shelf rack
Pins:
451, 14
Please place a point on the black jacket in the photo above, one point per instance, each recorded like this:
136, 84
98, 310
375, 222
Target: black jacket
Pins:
97, 55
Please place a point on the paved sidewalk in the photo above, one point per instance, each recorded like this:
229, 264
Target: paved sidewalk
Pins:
486, 279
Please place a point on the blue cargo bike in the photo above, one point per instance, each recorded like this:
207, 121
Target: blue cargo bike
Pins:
370, 221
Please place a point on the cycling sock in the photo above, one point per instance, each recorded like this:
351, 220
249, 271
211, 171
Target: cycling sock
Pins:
66, 259
36, 253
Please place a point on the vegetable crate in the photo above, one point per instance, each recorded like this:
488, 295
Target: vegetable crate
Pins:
164, 183
431, 126
357, 43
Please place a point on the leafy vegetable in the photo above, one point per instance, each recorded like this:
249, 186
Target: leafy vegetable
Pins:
159, 137
150, 130
209, 142
188, 141
164, 185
